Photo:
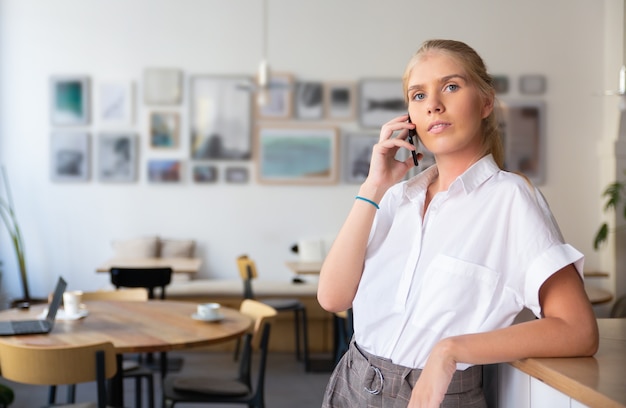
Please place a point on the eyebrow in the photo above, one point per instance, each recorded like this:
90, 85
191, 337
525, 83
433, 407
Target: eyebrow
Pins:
442, 80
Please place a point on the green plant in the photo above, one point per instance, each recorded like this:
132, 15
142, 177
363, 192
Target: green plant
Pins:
614, 195
7, 213
6, 395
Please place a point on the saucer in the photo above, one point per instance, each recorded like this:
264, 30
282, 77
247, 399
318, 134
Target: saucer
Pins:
217, 318
61, 315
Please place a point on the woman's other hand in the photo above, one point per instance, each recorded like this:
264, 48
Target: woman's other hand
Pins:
432, 384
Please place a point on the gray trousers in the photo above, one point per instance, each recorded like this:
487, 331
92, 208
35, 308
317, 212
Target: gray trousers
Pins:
364, 380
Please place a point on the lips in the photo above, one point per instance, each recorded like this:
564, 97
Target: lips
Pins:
438, 126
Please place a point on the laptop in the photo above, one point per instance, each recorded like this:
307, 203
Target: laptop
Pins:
39, 326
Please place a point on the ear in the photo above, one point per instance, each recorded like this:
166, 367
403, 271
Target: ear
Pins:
488, 103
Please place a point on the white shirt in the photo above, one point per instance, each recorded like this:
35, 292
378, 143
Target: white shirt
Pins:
478, 256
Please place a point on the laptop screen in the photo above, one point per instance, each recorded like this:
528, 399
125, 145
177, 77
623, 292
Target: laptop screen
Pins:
56, 299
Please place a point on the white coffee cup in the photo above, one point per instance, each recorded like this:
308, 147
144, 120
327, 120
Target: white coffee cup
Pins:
209, 310
72, 301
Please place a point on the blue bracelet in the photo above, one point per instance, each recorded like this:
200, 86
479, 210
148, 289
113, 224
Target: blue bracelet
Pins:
368, 201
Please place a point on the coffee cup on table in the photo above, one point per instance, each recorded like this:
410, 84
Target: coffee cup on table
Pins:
208, 310
72, 301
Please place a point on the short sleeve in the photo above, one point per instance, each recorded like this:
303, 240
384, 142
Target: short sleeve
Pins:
545, 265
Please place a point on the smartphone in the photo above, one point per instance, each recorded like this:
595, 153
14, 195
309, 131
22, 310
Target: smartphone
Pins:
413, 141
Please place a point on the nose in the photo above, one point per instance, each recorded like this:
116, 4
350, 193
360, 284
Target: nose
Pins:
435, 105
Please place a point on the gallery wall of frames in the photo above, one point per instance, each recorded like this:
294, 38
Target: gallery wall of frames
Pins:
306, 132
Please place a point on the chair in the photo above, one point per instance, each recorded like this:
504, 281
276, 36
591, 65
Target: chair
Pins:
343, 332
150, 279
214, 388
132, 369
248, 271
619, 308
60, 365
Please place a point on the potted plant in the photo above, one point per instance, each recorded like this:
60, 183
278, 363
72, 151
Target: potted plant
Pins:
7, 214
6, 396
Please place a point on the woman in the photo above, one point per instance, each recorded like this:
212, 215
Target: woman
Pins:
437, 267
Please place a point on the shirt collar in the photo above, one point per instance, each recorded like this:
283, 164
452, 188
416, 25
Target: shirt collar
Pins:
473, 177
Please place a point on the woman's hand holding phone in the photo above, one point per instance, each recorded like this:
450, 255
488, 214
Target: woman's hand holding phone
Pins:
385, 170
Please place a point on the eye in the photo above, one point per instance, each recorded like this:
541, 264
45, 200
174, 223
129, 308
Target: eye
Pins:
452, 87
418, 96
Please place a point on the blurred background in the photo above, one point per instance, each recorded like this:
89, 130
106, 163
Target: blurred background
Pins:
561, 54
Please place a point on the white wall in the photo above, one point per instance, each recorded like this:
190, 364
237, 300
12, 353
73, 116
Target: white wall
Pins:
68, 228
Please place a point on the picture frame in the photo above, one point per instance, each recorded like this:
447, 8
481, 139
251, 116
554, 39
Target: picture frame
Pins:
523, 126
69, 156
204, 173
380, 100
297, 155
340, 100
164, 129
237, 175
69, 100
220, 118
116, 102
164, 171
500, 84
162, 86
534, 84
309, 100
279, 97
357, 154
117, 157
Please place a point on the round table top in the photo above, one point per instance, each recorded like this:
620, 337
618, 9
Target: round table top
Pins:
132, 327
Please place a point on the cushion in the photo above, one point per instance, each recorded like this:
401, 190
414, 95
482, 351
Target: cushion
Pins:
207, 385
177, 248
147, 247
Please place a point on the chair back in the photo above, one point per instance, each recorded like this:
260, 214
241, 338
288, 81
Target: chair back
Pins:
247, 271
619, 308
257, 339
59, 365
149, 278
261, 315
130, 294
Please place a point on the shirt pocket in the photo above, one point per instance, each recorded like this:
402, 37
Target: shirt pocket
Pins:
455, 297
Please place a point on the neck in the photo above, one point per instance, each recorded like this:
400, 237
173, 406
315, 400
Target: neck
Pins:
450, 168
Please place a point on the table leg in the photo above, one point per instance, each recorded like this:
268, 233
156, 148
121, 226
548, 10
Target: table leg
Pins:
116, 385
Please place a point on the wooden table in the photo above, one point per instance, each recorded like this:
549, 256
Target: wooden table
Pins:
134, 327
178, 265
305, 268
596, 381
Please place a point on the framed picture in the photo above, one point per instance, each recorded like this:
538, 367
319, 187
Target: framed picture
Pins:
288, 155
220, 118
116, 100
69, 100
500, 83
339, 100
357, 154
164, 129
532, 84
522, 125
380, 100
164, 171
278, 98
204, 173
117, 157
309, 98
162, 86
237, 175
69, 156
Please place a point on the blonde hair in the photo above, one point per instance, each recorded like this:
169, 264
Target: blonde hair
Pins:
478, 76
